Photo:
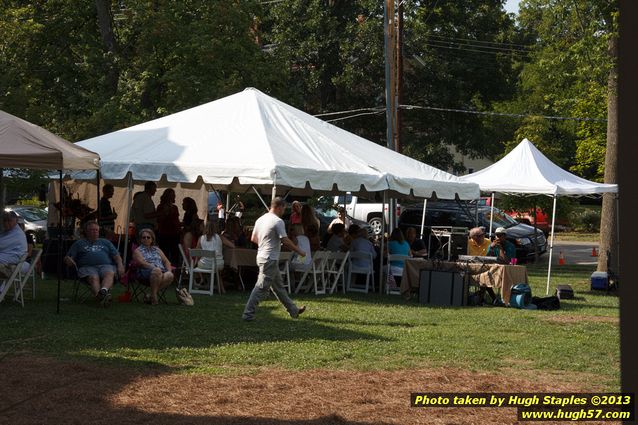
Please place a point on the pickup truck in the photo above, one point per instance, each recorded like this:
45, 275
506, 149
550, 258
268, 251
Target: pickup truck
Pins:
365, 210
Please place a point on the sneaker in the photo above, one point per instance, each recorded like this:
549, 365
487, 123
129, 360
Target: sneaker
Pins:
248, 319
106, 300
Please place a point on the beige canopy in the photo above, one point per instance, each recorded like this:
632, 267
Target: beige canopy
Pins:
25, 145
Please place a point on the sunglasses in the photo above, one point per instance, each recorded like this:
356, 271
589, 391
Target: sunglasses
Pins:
146, 237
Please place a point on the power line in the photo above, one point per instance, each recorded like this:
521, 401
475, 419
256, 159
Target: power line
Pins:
379, 110
520, 46
478, 46
503, 114
436, 44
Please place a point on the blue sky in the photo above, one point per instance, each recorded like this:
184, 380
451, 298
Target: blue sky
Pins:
512, 6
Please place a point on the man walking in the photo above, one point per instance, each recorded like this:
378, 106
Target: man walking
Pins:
269, 233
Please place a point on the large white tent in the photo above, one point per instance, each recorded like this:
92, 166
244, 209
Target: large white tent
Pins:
250, 139
525, 170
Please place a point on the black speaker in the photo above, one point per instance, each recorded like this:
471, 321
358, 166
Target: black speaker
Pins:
442, 288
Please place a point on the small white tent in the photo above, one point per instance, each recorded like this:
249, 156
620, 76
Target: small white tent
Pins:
525, 170
250, 139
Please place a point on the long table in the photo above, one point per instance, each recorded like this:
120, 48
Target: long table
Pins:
498, 276
236, 258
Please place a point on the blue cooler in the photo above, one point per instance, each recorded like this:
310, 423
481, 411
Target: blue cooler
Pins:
521, 296
599, 281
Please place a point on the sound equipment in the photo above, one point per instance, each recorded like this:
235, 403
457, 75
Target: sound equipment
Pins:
442, 288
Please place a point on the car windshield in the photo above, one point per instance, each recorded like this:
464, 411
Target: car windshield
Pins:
32, 214
500, 219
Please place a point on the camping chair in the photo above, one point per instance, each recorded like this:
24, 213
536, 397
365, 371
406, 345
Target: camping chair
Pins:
315, 269
336, 263
139, 288
393, 257
368, 271
13, 281
81, 287
30, 273
284, 269
213, 272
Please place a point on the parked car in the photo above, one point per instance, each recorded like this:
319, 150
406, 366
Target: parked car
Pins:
543, 219
365, 210
35, 220
457, 214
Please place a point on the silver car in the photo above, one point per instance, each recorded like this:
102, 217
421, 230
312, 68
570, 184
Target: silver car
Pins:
35, 219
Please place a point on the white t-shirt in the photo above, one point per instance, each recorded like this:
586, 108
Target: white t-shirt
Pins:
215, 244
269, 230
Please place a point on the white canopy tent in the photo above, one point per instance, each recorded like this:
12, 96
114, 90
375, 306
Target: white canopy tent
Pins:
525, 170
251, 140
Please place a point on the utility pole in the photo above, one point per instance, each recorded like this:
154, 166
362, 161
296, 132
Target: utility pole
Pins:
390, 44
399, 74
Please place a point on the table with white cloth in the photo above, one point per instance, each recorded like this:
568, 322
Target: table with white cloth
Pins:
500, 276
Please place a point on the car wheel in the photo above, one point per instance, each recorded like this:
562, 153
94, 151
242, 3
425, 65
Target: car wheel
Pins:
376, 224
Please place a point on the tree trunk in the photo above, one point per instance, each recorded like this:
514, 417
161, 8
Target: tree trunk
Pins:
608, 218
105, 23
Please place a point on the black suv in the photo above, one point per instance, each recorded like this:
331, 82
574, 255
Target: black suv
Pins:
460, 214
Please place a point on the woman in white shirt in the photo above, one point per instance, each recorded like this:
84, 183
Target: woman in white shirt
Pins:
302, 241
211, 240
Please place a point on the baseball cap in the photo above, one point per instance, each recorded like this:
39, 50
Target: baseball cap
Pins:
500, 230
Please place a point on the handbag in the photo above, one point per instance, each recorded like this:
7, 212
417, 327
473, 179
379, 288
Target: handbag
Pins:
184, 297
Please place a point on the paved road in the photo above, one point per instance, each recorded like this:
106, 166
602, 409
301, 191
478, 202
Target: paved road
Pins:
575, 252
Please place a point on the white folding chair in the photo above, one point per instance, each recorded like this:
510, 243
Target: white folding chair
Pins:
367, 270
284, 269
30, 273
184, 269
316, 269
13, 281
213, 271
395, 258
334, 270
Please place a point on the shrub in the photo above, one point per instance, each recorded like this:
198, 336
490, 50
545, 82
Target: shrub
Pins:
585, 220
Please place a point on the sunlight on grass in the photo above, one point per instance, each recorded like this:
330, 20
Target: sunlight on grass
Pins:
351, 332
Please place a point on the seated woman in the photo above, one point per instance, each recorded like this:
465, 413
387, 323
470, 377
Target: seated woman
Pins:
191, 234
212, 241
233, 232
398, 246
152, 265
337, 243
302, 241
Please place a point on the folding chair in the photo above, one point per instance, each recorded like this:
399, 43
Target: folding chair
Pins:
30, 273
393, 257
213, 271
368, 271
81, 287
13, 281
140, 288
315, 269
284, 269
336, 263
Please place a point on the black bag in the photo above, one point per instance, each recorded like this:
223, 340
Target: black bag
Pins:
546, 303
564, 292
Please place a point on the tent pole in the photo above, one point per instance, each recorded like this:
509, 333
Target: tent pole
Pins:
60, 258
381, 246
260, 197
491, 213
425, 206
129, 190
551, 246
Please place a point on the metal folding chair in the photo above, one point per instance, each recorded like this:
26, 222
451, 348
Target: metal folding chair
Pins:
393, 257
13, 281
334, 271
316, 269
30, 273
284, 269
213, 272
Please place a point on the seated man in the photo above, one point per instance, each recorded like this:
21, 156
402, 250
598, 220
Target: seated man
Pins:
417, 245
97, 260
336, 243
501, 248
13, 244
476, 243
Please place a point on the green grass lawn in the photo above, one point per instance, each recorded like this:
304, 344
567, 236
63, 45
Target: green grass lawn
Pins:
577, 236
364, 332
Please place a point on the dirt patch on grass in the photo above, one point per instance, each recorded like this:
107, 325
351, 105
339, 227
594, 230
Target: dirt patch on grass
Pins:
38, 390
568, 318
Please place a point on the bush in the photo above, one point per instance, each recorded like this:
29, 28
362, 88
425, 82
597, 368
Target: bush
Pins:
585, 220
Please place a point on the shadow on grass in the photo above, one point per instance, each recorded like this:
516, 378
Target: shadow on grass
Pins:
131, 330
41, 390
